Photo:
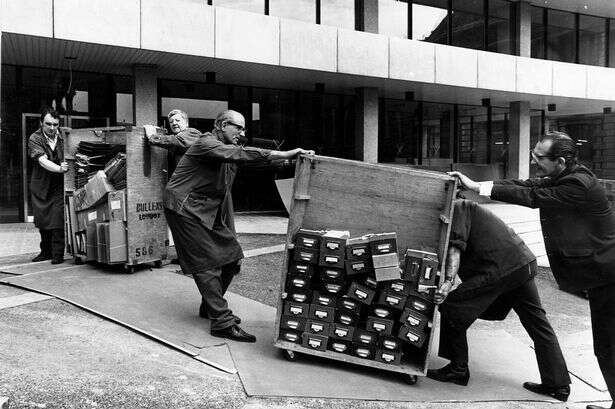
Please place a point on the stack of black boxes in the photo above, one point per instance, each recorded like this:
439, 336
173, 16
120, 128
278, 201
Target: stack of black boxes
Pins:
349, 295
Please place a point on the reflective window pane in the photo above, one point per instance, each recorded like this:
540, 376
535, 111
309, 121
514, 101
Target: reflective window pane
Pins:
254, 6
499, 34
468, 22
592, 40
399, 133
393, 18
538, 33
561, 36
304, 10
430, 22
337, 13
123, 108
473, 141
612, 43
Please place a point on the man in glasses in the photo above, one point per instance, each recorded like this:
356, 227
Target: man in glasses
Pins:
579, 232
199, 210
46, 149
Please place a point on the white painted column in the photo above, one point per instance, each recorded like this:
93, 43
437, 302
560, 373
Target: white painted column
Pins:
519, 136
146, 95
366, 125
523, 29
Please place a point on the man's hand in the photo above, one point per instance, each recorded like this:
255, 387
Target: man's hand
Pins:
443, 291
64, 167
300, 151
150, 130
466, 182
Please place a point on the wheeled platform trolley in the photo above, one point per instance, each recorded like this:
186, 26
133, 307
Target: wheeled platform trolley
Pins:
362, 198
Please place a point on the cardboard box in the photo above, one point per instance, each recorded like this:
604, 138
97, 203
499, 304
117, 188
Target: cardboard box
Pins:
333, 245
339, 345
318, 327
332, 273
308, 239
314, 341
357, 249
324, 299
333, 287
101, 235
388, 357
91, 243
299, 296
365, 337
293, 323
92, 192
419, 304
389, 343
387, 273
380, 325
331, 260
355, 267
341, 331
297, 282
303, 269
412, 336
290, 336
346, 318
321, 313
383, 243
393, 300
295, 309
306, 255
414, 319
115, 241
385, 260
87, 216
113, 208
361, 293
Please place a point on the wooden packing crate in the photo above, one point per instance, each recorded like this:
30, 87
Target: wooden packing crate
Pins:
339, 194
146, 177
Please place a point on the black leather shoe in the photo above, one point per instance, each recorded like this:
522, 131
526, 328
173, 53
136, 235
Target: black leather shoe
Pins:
233, 332
598, 407
41, 257
57, 260
203, 314
450, 373
557, 392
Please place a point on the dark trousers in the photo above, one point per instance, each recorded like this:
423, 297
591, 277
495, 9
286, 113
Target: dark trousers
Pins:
52, 242
212, 285
602, 309
525, 301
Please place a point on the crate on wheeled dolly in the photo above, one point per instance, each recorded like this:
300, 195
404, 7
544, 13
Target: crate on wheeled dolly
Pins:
363, 300
126, 223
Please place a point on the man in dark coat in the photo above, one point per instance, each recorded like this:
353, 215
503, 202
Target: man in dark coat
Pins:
199, 210
46, 149
497, 274
578, 227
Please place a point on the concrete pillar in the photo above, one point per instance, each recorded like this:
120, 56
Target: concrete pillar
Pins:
519, 137
366, 15
523, 29
146, 95
366, 125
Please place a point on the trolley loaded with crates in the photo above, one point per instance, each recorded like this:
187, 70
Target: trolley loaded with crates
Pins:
114, 187
364, 246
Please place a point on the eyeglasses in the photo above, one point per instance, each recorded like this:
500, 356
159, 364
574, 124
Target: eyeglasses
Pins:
239, 127
52, 124
534, 155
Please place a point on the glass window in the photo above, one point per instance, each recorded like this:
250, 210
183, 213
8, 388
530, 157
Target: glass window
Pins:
468, 20
437, 135
499, 137
304, 10
123, 108
499, 28
337, 13
592, 40
399, 133
473, 141
430, 21
612, 43
393, 18
561, 32
254, 6
538, 33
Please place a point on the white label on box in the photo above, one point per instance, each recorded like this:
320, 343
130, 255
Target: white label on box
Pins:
345, 319
397, 287
330, 259
366, 339
315, 343
390, 344
341, 332
299, 297
339, 347
358, 266
388, 357
92, 216
419, 306
383, 247
358, 252
298, 282
116, 204
296, 310
363, 353
360, 294
379, 327
412, 337
317, 327
324, 300
381, 312
332, 245
392, 300
321, 314
413, 321
427, 273
291, 337
293, 324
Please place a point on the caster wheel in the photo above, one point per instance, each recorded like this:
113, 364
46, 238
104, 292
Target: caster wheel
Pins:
411, 379
158, 263
290, 355
129, 269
